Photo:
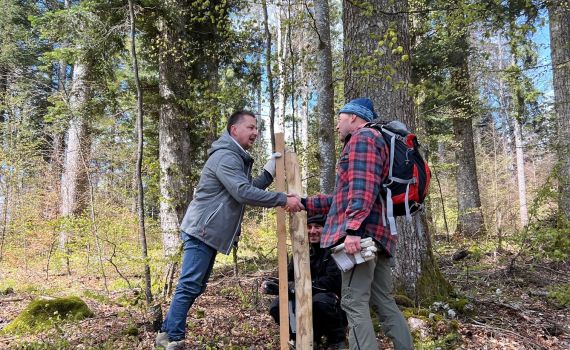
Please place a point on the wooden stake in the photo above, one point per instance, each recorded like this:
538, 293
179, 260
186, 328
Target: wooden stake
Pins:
282, 247
299, 238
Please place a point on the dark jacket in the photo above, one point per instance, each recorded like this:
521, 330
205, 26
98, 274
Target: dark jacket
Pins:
214, 216
325, 275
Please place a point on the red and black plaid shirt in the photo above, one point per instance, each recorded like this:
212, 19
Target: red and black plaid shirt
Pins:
355, 204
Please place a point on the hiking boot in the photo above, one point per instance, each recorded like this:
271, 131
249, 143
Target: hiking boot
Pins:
163, 342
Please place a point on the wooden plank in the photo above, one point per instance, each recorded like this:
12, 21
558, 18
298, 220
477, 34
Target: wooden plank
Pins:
282, 247
300, 240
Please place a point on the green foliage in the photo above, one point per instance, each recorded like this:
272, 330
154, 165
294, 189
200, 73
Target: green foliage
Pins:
551, 242
42, 314
560, 295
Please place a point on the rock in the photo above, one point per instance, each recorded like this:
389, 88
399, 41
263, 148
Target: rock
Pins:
460, 254
42, 314
418, 325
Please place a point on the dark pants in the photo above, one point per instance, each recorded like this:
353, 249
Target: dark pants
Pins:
328, 318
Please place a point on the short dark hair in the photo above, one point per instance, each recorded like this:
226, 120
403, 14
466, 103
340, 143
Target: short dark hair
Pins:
236, 117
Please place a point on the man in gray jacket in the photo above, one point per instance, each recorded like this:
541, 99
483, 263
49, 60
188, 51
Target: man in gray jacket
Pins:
213, 219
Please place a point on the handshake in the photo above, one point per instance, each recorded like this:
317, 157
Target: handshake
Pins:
293, 204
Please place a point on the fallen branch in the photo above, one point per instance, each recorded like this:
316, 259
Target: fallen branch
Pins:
10, 300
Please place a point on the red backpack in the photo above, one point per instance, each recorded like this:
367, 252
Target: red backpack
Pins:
408, 179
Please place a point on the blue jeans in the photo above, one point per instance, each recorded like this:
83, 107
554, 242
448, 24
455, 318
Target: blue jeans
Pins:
196, 269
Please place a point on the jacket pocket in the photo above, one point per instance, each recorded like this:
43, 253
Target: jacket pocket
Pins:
213, 214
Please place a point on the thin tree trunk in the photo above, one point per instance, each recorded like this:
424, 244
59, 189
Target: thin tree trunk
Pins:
325, 98
269, 74
520, 174
282, 59
416, 273
140, 135
559, 13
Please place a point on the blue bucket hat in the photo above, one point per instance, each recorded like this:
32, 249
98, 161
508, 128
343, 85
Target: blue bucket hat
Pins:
362, 107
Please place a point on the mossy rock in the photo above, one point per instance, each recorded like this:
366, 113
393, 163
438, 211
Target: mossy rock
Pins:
42, 314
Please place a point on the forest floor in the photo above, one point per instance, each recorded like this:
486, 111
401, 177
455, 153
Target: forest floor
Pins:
507, 308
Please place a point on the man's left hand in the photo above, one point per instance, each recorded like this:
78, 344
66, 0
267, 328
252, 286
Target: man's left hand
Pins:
271, 165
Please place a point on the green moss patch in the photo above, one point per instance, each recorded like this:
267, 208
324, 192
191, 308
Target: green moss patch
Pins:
42, 314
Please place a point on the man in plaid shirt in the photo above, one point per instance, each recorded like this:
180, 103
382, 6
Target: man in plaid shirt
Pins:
355, 210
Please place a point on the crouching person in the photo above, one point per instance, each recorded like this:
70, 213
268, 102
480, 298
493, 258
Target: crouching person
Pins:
328, 318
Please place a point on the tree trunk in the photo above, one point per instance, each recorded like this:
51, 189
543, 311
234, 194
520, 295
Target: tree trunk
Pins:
560, 48
416, 273
282, 55
325, 98
140, 135
269, 75
470, 218
521, 178
74, 181
174, 143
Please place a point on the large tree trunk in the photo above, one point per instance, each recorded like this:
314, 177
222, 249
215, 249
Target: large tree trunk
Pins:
470, 218
560, 47
74, 182
174, 143
416, 273
325, 98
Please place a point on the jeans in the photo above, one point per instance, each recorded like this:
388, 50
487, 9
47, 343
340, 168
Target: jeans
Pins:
196, 269
370, 284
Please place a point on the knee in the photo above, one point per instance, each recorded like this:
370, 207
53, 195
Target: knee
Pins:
192, 288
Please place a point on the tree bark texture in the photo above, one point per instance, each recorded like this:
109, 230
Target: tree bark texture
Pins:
470, 218
559, 13
325, 98
269, 73
74, 180
416, 273
174, 137
373, 70
140, 136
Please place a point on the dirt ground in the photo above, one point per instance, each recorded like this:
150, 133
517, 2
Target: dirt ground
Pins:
509, 309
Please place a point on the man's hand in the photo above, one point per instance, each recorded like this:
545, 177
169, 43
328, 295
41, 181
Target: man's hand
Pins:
293, 203
352, 244
270, 165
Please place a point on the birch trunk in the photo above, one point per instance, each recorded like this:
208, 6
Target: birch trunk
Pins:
325, 98
560, 48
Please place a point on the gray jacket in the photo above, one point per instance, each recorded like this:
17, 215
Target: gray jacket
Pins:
214, 216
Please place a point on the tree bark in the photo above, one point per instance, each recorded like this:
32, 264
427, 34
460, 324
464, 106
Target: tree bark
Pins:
269, 73
416, 273
174, 142
140, 136
470, 218
74, 181
559, 13
325, 98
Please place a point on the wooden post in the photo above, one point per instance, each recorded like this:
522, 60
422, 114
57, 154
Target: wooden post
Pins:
299, 238
282, 247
